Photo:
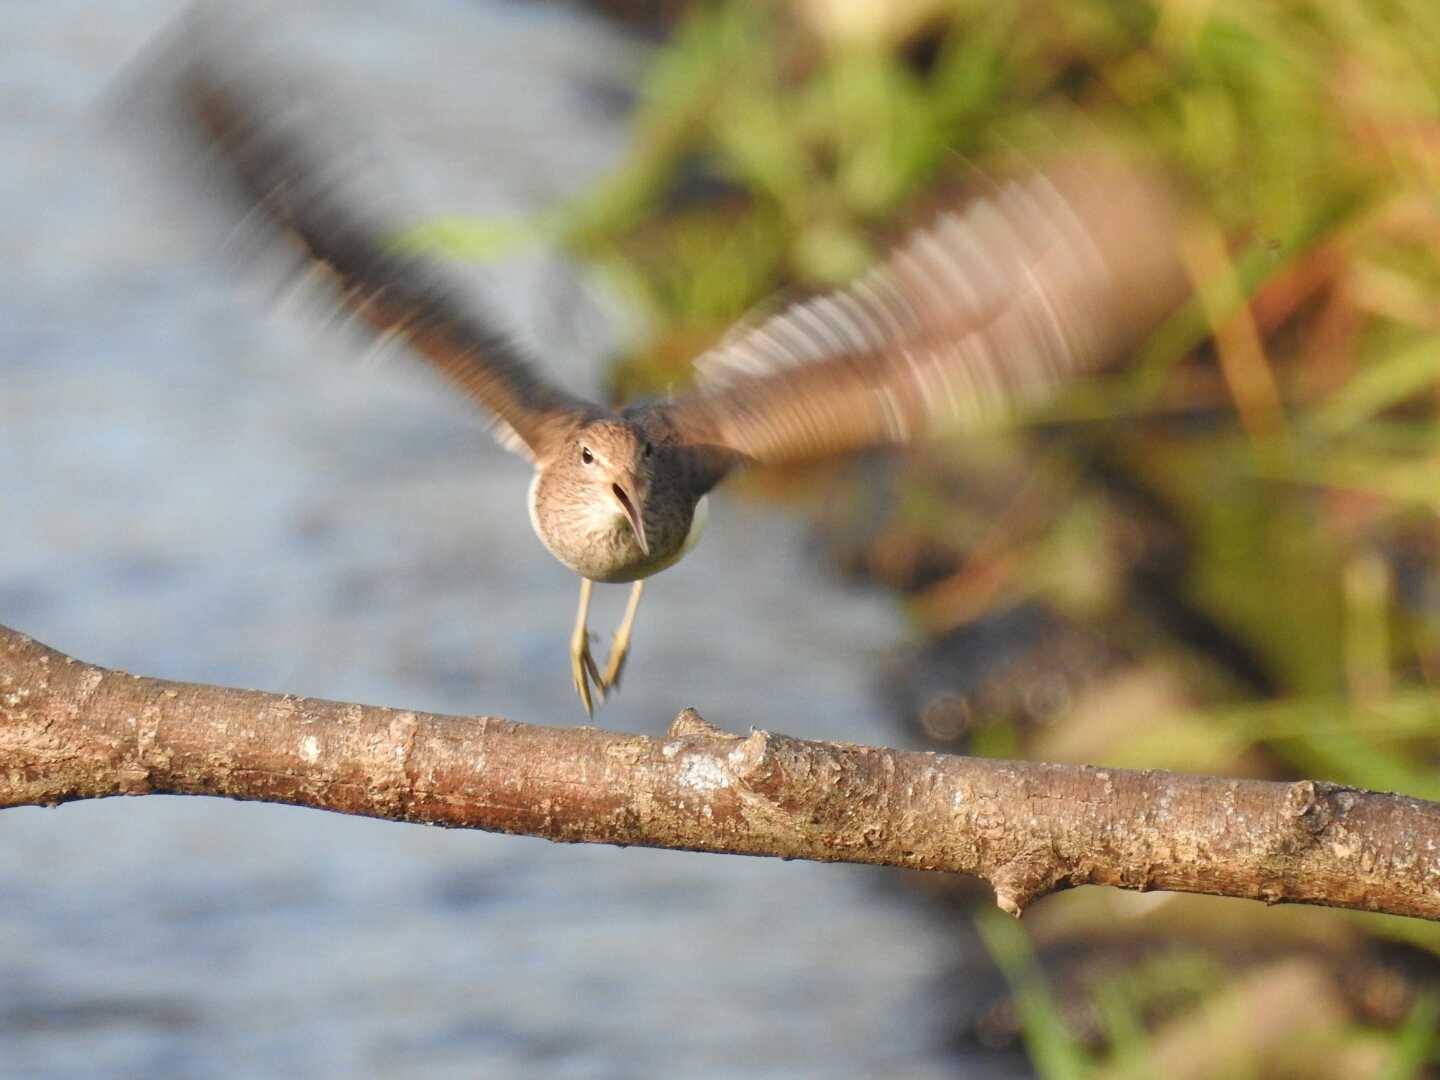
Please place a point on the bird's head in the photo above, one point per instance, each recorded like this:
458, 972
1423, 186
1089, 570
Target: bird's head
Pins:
608, 464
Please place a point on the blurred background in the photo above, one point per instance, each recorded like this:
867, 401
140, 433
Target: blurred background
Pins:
1220, 558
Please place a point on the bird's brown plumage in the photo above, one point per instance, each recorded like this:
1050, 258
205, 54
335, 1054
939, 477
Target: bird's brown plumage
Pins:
1025, 287
397, 295
987, 308
1036, 281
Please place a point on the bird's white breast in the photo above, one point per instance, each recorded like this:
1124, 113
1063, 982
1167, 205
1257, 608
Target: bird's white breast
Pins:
530, 502
697, 524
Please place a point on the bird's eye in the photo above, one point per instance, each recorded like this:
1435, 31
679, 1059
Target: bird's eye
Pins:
586, 456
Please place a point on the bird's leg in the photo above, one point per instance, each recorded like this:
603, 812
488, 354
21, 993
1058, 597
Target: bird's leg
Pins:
620, 643
582, 664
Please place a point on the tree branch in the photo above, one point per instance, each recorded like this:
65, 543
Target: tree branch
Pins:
70, 730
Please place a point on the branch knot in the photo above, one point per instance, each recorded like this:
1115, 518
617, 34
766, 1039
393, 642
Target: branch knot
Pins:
1025, 878
1307, 805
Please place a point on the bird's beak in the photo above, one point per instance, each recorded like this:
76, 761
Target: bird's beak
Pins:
626, 495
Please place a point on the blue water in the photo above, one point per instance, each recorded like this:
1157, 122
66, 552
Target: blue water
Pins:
198, 486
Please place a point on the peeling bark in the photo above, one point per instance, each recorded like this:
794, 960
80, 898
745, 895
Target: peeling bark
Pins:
70, 730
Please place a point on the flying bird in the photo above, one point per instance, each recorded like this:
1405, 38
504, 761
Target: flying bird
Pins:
991, 304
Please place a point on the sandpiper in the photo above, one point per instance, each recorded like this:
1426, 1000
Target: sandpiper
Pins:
991, 304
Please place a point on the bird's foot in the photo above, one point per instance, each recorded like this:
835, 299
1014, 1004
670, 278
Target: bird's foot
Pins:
582, 664
620, 643
615, 666
584, 672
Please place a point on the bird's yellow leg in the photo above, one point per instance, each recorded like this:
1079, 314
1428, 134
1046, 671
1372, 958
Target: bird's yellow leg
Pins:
620, 643
582, 664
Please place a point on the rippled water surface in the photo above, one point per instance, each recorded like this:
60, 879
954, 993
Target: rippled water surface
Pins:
199, 487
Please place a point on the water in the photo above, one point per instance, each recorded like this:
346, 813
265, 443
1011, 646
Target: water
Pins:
198, 487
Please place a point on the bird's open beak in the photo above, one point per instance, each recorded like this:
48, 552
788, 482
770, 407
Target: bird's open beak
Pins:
622, 493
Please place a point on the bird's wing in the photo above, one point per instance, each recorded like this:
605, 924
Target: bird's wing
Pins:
987, 308
398, 296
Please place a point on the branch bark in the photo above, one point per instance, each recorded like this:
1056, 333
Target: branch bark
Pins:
71, 730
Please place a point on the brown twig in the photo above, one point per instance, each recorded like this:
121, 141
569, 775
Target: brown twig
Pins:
70, 730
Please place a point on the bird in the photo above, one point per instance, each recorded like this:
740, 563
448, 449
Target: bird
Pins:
991, 304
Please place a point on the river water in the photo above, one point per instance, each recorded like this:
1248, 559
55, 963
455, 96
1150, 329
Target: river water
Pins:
198, 486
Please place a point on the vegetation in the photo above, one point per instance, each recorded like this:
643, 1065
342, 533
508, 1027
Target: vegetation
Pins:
1231, 544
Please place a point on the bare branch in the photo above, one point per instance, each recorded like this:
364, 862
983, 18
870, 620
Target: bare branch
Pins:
70, 730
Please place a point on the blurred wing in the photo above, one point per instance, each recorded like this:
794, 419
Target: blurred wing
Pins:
987, 308
398, 296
